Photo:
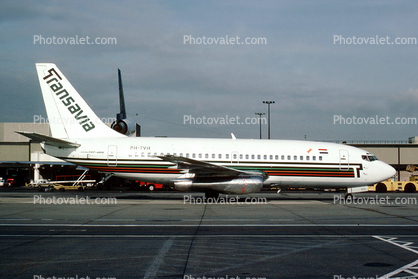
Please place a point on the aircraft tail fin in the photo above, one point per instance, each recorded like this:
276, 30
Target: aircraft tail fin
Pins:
68, 114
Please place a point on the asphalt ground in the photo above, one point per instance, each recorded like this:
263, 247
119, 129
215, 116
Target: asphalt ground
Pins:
97, 234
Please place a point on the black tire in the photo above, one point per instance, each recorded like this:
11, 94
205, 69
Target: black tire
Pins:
348, 197
381, 188
213, 195
409, 188
151, 187
80, 189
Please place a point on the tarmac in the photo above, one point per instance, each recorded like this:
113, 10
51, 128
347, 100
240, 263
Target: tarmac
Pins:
97, 234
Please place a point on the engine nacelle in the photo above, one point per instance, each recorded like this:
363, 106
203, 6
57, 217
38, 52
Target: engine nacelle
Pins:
240, 185
124, 126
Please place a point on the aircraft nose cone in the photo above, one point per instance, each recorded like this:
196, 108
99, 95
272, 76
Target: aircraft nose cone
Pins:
387, 171
391, 171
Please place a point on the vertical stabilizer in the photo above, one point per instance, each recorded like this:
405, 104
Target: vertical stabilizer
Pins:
68, 114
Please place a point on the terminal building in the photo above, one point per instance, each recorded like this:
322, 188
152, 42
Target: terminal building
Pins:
19, 156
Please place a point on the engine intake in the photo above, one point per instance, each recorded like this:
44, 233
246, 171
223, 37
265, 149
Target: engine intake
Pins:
124, 126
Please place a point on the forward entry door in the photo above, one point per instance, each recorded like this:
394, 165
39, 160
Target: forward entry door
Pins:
344, 160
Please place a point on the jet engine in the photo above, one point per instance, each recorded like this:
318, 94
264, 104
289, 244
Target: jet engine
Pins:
124, 126
237, 185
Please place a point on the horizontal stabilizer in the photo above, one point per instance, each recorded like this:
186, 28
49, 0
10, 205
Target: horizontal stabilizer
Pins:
49, 140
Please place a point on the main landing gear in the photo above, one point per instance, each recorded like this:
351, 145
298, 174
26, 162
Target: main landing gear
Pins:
210, 194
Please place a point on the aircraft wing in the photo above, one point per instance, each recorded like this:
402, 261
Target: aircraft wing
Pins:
203, 168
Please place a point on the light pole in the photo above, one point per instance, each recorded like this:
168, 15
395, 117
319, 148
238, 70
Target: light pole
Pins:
268, 104
260, 114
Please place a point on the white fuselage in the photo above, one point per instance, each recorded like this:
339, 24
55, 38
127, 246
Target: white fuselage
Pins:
287, 163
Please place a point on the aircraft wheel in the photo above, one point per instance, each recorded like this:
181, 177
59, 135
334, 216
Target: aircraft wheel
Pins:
213, 195
381, 188
348, 197
409, 188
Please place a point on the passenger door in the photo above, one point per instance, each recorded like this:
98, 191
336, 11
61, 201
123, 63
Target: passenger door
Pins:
112, 155
344, 160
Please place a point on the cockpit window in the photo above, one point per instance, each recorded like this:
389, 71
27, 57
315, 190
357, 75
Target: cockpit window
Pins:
369, 158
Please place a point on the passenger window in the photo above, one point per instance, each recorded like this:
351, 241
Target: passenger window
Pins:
320, 158
247, 156
227, 156
181, 154
271, 157
307, 158
252, 156
265, 157
234, 156
213, 156
187, 155
200, 155
194, 155
207, 156
295, 157
258, 157
314, 158
220, 156
241, 156
301, 158
289, 157
282, 157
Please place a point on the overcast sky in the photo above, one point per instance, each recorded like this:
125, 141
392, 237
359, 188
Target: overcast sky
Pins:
312, 79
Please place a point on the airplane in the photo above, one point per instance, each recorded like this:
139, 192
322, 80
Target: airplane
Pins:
208, 165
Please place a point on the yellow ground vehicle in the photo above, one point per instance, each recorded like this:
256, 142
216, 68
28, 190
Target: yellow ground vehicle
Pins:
399, 186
